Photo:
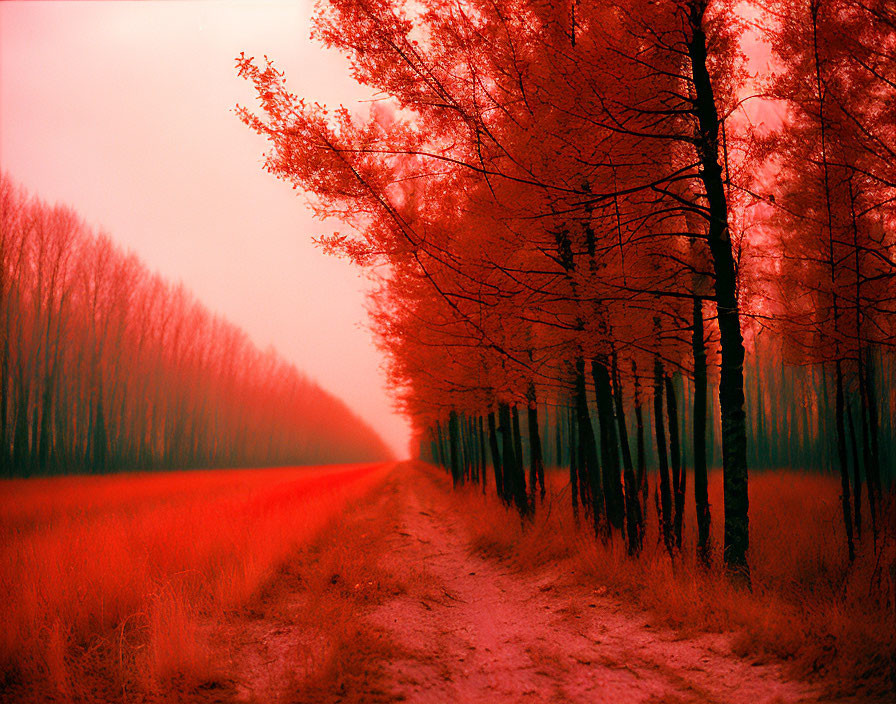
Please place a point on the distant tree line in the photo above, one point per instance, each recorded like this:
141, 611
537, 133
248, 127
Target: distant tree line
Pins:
573, 212
104, 366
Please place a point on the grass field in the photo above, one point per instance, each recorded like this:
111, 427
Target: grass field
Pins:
112, 576
128, 587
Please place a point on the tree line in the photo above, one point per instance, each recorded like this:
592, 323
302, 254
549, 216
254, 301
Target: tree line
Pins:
105, 366
569, 206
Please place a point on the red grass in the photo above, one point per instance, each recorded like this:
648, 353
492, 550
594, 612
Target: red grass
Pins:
808, 606
130, 564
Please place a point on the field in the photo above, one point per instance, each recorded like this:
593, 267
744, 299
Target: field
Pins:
379, 583
107, 580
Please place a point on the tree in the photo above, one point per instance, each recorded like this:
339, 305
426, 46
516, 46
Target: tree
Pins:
107, 367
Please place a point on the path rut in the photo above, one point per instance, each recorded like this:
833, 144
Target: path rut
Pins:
493, 635
470, 629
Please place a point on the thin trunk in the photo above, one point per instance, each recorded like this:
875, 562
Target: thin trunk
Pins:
665, 494
454, 448
641, 477
462, 446
536, 462
609, 446
513, 479
440, 454
5, 459
558, 438
588, 458
43, 447
856, 474
471, 448
482, 461
35, 417
20, 432
872, 467
825, 421
496, 456
844, 469
863, 388
839, 411
701, 493
100, 442
633, 515
573, 466
518, 447
679, 472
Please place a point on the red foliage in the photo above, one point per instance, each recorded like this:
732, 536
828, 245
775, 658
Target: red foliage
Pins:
107, 366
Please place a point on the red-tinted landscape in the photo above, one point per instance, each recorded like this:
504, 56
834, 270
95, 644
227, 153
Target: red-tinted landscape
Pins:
628, 277
380, 583
126, 571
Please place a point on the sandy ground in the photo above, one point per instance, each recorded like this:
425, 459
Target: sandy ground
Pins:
465, 628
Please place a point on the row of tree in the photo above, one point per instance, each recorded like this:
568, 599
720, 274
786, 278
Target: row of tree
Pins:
787, 426
572, 208
790, 423
105, 366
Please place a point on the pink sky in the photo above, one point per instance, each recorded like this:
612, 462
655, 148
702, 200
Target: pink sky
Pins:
124, 111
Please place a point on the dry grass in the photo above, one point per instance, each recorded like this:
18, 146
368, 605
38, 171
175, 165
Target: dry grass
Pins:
807, 605
117, 587
107, 580
322, 598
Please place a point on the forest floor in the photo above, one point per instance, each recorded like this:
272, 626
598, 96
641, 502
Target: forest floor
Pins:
394, 603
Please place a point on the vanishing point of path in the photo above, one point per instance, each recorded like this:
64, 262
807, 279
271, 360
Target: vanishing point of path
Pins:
436, 622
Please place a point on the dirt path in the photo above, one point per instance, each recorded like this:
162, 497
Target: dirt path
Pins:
499, 636
462, 628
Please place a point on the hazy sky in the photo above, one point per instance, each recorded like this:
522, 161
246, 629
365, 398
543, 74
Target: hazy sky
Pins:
125, 112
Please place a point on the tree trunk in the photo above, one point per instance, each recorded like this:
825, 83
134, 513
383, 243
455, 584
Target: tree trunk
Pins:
574, 466
641, 477
825, 425
432, 449
844, 468
558, 437
20, 432
454, 448
440, 454
665, 503
731, 386
609, 446
496, 456
5, 458
856, 474
761, 451
43, 447
473, 471
519, 457
513, 479
100, 442
35, 418
482, 460
588, 458
536, 462
633, 515
462, 447
679, 476
701, 494
872, 467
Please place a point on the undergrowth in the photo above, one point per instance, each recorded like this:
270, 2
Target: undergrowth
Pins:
826, 619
